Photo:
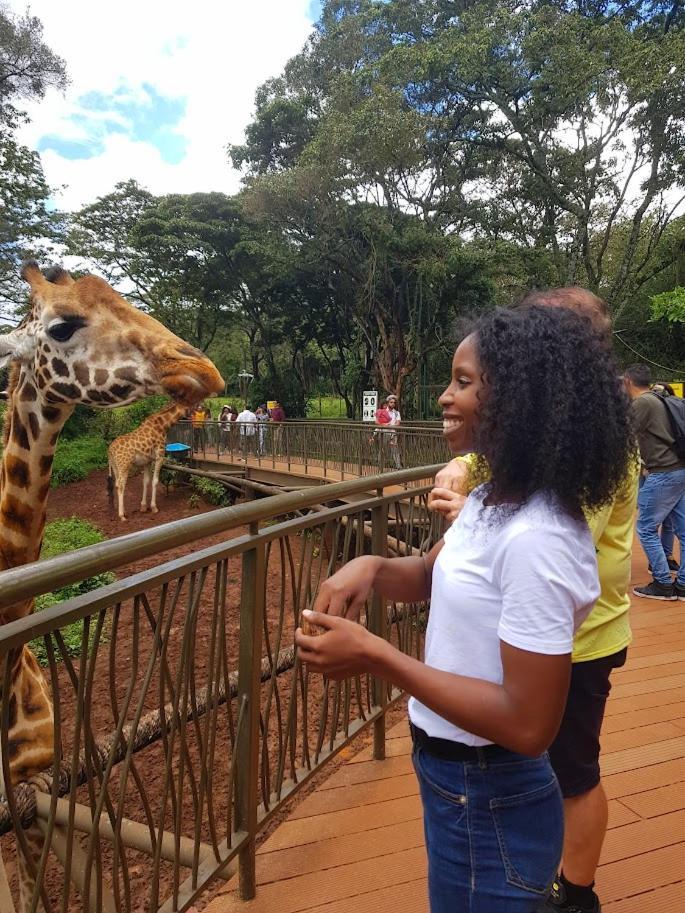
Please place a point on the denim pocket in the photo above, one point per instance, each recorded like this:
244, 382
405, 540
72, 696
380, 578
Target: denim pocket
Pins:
530, 832
439, 776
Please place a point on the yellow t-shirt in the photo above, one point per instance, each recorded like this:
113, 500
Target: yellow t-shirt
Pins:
606, 630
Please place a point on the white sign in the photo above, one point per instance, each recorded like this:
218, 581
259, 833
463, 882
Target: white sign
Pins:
369, 405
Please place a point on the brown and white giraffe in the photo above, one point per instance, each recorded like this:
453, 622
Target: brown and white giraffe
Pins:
143, 448
81, 342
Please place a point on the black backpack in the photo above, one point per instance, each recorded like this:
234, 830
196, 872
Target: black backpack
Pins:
675, 407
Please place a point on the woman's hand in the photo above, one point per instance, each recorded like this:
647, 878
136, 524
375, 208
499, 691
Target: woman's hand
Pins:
455, 476
446, 502
343, 648
346, 592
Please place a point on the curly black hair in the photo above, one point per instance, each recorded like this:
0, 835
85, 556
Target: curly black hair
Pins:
555, 417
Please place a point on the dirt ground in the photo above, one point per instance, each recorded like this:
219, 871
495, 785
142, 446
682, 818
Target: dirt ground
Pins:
127, 642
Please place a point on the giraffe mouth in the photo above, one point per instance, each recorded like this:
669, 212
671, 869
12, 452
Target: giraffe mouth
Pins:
191, 379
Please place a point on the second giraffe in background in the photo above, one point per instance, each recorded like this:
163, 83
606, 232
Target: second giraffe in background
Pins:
143, 449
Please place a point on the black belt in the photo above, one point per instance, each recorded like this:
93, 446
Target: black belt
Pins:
457, 751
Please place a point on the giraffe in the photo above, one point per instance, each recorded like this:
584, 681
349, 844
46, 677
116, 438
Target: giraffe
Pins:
143, 447
80, 342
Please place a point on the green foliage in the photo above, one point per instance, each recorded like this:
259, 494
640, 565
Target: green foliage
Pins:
76, 458
525, 123
211, 492
111, 423
326, 407
27, 69
669, 305
62, 536
286, 388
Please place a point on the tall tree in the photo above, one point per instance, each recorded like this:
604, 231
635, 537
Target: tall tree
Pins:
27, 223
543, 123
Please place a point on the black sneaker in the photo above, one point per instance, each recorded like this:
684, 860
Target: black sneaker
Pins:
679, 591
558, 901
656, 590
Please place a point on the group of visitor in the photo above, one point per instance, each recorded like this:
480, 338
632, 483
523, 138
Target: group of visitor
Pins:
248, 426
529, 605
251, 427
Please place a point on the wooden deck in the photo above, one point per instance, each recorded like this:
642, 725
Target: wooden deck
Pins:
356, 844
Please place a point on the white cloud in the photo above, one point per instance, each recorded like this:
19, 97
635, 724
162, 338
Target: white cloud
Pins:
211, 53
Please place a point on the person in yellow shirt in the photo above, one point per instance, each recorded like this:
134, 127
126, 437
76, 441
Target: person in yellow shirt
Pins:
197, 419
600, 646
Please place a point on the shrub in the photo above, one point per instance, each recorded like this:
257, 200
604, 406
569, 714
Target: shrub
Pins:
76, 458
62, 536
212, 492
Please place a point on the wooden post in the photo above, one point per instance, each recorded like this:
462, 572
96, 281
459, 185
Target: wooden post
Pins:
378, 622
249, 693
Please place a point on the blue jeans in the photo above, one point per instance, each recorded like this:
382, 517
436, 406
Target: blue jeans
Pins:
668, 535
661, 494
494, 832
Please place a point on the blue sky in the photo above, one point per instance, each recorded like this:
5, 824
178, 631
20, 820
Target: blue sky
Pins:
151, 118
157, 89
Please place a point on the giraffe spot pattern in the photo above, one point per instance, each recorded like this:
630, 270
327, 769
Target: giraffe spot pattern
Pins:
45, 463
82, 373
19, 433
101, 376
16, 515
60, 367
34, 425
70, 391
17, 471
28, 393
127, 374
50, 414
121, 391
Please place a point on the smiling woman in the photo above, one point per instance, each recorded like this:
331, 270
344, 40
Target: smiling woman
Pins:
514, 577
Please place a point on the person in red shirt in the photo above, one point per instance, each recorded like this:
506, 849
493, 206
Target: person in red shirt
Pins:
277, 415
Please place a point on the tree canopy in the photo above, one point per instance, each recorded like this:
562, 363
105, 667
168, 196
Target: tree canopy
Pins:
27, 69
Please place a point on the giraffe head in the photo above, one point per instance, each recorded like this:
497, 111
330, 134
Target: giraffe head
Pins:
81, 342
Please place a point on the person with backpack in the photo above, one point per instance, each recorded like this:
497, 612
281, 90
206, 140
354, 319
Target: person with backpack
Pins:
660, 427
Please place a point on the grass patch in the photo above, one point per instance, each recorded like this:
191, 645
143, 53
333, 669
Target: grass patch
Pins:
76, 458
62, 536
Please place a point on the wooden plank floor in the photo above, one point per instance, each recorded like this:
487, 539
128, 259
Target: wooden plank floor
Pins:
356, 844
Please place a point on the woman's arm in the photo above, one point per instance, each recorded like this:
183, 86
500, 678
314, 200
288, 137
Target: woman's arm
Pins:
522, 714
405, 579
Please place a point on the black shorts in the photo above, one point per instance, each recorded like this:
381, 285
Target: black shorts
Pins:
575, 751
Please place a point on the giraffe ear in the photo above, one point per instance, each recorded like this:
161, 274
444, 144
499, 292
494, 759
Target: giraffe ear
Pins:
31, 273
58, 276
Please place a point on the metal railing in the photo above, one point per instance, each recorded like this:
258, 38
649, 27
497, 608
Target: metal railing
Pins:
183, 719
348, 449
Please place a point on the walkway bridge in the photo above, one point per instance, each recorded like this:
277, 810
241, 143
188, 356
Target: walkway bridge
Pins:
303, 453
184, 722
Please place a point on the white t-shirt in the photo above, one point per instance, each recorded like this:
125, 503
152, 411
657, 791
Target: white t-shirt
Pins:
248, 422
529, 580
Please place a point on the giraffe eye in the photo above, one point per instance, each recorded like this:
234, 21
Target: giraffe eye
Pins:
65, 329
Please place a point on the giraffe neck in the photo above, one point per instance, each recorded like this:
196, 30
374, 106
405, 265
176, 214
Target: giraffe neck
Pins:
163, 420
31, 431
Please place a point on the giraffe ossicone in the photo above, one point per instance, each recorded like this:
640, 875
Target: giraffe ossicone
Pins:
80, 343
